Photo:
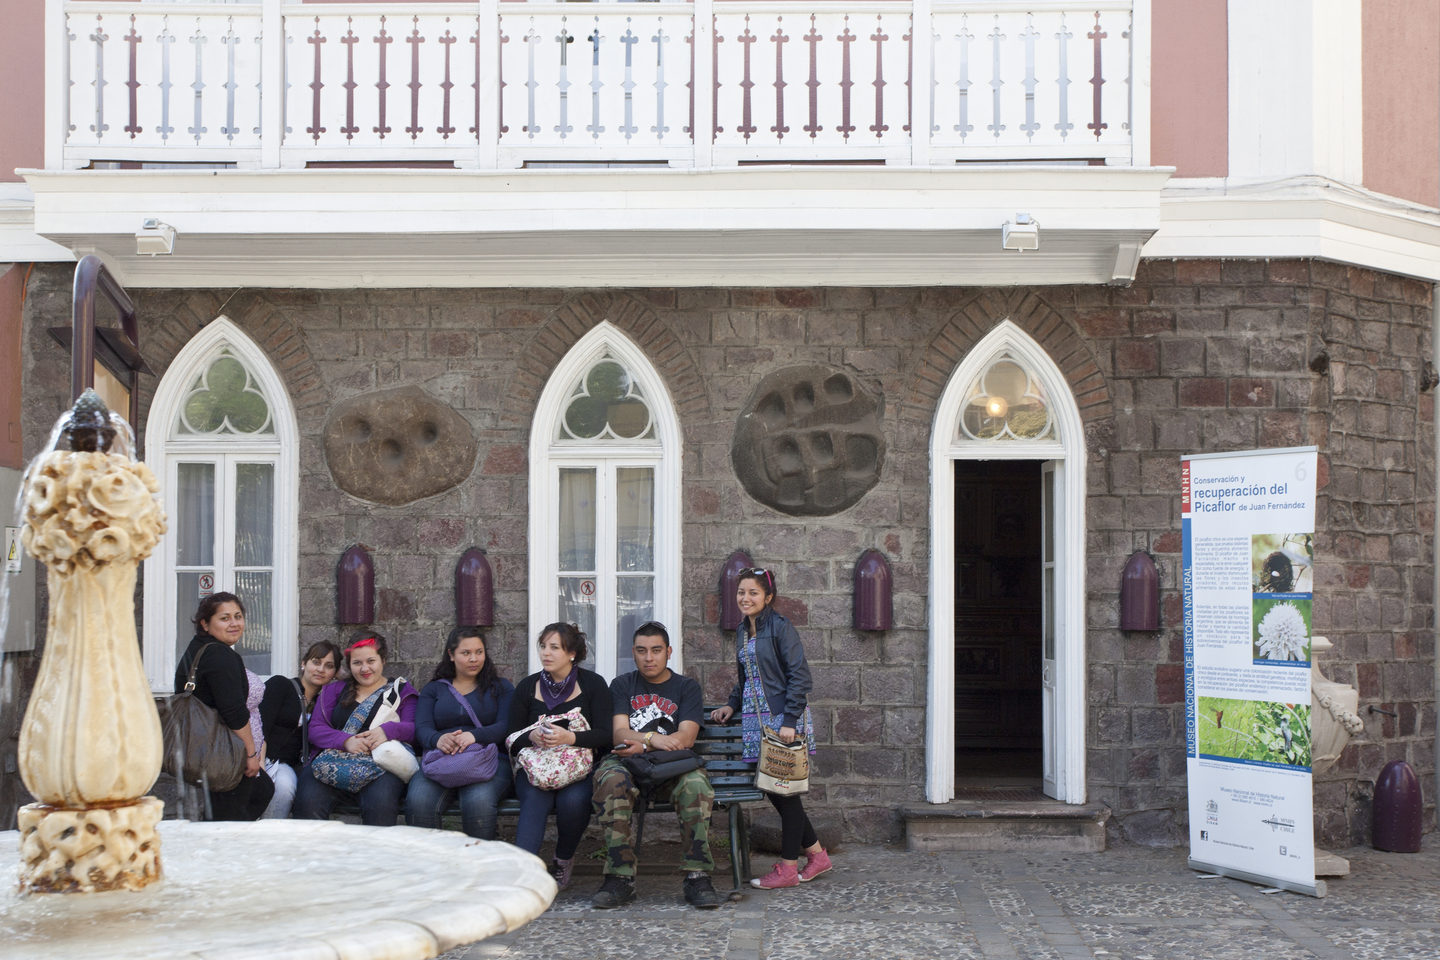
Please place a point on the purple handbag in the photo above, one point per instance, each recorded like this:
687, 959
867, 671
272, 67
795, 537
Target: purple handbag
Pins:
475, 764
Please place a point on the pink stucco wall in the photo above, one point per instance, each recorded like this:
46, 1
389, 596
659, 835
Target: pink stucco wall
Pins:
1189, 94
1400, 66
22, 80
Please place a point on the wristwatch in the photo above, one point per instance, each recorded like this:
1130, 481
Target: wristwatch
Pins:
647, 739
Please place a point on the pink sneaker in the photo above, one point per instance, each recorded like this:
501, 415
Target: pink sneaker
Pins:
816, 865
781, 875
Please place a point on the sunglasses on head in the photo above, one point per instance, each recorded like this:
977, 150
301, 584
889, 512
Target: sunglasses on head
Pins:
761, 574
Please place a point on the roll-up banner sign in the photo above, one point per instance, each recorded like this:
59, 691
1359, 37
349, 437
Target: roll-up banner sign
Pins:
1248, 523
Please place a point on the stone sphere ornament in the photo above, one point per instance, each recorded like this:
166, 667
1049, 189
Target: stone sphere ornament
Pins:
809, 442
398, 446
90, 745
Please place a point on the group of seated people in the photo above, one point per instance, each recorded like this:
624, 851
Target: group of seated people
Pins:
311, 743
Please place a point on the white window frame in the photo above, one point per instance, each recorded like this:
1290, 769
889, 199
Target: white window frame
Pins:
1068, 455
548, 455
163, 452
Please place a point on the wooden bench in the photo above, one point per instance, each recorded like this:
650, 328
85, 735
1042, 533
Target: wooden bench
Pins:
720, 749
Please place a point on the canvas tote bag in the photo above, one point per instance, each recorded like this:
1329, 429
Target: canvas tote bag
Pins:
784, 768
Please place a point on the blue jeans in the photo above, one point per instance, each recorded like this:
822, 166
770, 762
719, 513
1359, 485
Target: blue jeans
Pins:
426, 801
379, 800
571, 806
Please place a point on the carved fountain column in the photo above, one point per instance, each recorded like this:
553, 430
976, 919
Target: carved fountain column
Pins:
1334, 719
90, 746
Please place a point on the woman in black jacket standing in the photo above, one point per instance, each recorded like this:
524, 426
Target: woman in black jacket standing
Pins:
223, 684
560, 686
773, 691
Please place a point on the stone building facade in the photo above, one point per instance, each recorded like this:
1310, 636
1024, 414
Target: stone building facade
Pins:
1194, 356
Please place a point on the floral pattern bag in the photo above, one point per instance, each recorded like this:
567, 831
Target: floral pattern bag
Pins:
351, 772
551, 768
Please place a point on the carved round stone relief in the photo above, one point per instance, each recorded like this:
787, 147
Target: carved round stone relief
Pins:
397, 446
809, 441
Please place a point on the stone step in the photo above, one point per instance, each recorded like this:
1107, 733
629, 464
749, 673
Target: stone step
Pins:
1035, 826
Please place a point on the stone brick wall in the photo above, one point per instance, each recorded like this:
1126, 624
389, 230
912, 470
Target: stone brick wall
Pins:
1195, 356
1206, 356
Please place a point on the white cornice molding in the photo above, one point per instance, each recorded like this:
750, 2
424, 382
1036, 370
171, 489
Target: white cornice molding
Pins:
19, 243
887, 226
750, 225
1297, 217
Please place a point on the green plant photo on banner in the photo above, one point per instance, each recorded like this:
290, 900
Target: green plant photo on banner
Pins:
1258, 730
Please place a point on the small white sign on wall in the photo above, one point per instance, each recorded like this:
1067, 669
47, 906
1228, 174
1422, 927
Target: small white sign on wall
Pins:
207, 585
13, 550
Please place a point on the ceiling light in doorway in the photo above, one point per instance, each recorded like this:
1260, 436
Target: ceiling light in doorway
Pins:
1023, 234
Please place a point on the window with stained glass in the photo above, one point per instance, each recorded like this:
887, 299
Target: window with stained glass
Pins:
606, 403
224, 400
221, 472
1007, 403
605, 456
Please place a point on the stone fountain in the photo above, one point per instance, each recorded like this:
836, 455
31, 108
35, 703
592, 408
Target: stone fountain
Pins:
91, 747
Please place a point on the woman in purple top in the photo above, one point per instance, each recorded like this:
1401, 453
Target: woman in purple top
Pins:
340, 726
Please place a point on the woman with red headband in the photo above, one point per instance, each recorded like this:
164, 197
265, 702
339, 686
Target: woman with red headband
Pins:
341, 739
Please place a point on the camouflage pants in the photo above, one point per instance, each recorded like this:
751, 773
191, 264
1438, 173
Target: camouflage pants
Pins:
614, 804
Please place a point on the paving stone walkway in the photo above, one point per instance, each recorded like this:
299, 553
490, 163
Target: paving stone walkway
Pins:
1129, 903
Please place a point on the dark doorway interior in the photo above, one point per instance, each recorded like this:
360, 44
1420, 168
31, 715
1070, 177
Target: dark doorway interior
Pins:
998, 725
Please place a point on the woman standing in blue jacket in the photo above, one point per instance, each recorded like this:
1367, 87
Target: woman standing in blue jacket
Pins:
441, 723
773, 691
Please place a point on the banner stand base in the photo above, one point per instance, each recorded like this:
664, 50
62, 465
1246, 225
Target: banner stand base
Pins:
1317, 889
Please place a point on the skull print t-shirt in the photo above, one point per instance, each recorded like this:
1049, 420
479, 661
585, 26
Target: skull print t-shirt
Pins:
660, 707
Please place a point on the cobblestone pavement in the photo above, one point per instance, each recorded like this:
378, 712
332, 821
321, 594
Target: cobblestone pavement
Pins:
1129, 903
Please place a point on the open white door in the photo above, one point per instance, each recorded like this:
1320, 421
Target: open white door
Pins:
1008, 366
1052, 474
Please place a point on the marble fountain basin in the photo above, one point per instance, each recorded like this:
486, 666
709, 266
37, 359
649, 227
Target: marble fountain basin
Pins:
286, 890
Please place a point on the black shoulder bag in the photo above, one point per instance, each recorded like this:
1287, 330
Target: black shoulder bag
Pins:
648, 769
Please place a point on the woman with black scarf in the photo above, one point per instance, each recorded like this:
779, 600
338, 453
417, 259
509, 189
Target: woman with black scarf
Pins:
560, 686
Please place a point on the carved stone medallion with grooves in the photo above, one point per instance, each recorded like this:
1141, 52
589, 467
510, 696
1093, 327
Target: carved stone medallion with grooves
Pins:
809, 441
398, 446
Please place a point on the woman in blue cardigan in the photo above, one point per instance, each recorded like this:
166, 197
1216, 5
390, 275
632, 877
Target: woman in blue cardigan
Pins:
773, 691
441, 723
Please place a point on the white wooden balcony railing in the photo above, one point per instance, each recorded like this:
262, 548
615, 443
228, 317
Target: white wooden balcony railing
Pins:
489, 84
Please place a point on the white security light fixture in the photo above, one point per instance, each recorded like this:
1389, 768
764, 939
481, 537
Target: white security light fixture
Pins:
155, 237
1023, 234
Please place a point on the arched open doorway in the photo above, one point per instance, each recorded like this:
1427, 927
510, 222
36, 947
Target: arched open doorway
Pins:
1007, 402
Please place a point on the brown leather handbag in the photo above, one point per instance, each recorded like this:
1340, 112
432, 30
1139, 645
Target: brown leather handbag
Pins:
199, 748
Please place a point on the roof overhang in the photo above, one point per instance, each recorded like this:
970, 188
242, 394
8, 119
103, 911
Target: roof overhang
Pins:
1297, 217
764, 225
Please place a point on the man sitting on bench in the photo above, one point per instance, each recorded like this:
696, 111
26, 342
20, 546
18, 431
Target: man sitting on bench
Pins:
656, 710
